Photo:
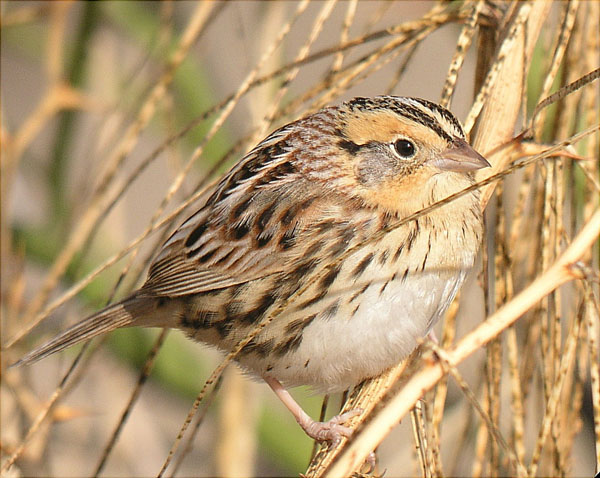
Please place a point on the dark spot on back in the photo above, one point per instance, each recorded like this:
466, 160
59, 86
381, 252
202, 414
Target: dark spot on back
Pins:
249, 347
206, 257
426, 254
205, 293
196, 233
284, 169
278, 171
240, 230
297, 275
412, 235
264, 239
383, 287
288, 239
293, 211
385, 221
238, 289
245, 172
223, 327
289, 214
320, 296
223, 259
241, 208
361, 103
265, 215
398, 251
274, 150
360, 292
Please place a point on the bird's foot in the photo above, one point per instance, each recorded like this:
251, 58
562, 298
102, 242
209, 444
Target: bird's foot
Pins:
332, 430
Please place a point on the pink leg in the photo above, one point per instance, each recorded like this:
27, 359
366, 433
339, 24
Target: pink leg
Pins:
331, 431
433, 337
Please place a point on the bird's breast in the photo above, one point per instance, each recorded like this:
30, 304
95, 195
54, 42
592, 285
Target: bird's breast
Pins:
383, 299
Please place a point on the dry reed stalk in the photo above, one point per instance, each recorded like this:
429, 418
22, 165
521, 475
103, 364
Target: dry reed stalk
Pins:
86, 223
237, 417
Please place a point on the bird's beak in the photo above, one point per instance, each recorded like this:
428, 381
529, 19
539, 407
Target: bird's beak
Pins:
460, 157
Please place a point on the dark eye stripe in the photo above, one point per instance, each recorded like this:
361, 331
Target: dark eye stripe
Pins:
423, 118
443, 112
400, 106
349, 146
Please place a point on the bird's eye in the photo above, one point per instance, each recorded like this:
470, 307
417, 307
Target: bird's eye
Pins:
404, 148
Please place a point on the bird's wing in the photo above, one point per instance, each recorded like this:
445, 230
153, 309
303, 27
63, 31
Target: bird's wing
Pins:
261, 220
215, 249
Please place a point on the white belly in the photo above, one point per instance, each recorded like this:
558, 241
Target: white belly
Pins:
338, 353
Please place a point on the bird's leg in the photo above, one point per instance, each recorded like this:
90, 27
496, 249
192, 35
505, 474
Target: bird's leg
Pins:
331, 431
433, 337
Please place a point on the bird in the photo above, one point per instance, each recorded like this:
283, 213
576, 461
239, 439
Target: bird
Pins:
321, 219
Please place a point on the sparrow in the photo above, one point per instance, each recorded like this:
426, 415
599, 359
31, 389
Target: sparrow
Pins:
312, 218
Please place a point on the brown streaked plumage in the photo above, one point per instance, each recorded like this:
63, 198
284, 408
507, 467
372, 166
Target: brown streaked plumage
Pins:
294, 221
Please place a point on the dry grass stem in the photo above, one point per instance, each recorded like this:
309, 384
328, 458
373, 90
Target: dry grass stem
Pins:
143, 377
86, 223
462, 45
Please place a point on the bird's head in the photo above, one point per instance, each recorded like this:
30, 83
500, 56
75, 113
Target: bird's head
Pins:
397, 154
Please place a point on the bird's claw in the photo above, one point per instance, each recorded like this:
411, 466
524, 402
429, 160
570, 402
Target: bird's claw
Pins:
332, 430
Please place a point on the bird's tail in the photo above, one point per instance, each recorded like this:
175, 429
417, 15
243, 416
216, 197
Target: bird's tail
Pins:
133, 310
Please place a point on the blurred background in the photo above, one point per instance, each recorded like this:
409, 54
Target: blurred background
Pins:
114, 114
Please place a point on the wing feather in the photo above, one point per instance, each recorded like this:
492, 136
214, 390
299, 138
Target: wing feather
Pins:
246, 228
